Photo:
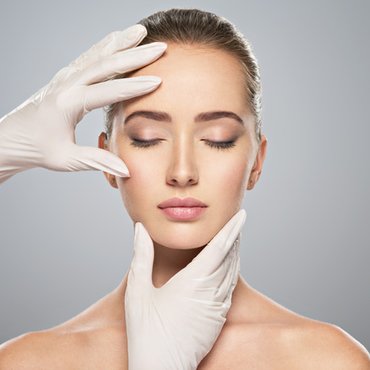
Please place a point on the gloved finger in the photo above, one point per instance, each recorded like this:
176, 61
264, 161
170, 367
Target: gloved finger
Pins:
216, 286
111, 43
142, 262
220, 281
234, 280
228, 299
122, 41
113, 91
122, 62
83, 158
227, 285
213, 255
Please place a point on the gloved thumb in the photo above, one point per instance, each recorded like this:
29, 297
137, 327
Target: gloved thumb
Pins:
142, 262
90, 158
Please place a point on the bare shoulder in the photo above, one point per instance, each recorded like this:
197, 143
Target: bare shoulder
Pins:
92, 348
39, 350
275, 337
303, 345
322, 345
94, 339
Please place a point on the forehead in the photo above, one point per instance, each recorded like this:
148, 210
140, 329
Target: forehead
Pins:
194, 78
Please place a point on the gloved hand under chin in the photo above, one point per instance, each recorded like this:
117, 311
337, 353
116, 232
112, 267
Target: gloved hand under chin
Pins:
174, 327
41, 131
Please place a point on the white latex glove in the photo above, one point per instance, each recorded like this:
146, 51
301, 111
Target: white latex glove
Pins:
41, 131
174, 327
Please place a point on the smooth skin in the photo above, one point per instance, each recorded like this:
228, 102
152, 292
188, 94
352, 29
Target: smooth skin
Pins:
259, 333
180, 161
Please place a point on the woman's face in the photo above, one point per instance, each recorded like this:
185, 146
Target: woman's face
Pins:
179, 122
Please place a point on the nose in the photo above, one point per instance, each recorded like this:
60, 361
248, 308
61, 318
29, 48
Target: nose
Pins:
182, 170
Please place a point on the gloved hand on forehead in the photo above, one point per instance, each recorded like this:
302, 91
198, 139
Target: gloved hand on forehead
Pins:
176, 325
41, 131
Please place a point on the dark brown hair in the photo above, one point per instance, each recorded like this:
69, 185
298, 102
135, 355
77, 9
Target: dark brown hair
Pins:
194, 26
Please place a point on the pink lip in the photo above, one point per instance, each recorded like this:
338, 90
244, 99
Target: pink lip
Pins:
182, 209
183, 213
177, 202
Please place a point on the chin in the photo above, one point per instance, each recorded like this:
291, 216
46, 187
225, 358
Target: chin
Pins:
181, 243
182, 235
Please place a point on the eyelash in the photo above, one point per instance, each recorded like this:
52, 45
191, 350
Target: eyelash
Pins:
220, 145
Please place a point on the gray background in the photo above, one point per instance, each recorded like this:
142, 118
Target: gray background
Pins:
66, 238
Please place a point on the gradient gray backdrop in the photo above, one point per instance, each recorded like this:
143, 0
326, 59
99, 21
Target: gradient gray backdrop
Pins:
66, 238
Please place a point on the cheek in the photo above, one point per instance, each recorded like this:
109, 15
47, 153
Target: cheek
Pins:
230, 175
138, 191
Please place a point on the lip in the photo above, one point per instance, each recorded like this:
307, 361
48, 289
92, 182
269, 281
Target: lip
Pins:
182, 209
183, 213
178, 202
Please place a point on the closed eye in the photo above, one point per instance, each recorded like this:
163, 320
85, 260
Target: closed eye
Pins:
213, 144
144, 143
221, 144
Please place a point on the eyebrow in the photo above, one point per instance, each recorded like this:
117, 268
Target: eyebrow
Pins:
201, 117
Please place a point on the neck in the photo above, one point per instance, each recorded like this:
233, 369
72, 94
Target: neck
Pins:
168, 262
